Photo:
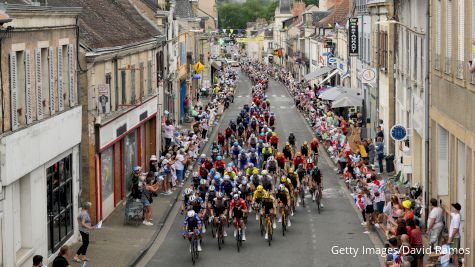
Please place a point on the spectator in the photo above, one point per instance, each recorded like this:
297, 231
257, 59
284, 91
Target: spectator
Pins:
371, 149
435, 223
149, 188
38, 261
84, 222
416, 242
379, 133
60, 260
168, 132
471, 64
454, 231
180, 162
380, 154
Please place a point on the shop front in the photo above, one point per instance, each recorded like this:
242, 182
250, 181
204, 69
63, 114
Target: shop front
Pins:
124, 142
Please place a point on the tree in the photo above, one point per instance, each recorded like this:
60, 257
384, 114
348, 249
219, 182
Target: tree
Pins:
235, 15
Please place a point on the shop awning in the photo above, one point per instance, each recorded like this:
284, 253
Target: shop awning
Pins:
328, 77
318, 73
347, 101
216, 64
335, 93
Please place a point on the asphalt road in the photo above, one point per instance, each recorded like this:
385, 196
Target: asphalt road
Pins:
308, 242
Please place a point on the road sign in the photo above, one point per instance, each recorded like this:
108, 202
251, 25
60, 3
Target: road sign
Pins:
398, 132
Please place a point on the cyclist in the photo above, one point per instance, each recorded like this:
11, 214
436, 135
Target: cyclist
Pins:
245, 191
221, 139
283, 198
257, 199
192, 224
288, 151
317, 180
314, 146
219, 210
280, 158
271, 167
274, 140
243, 160
219, 165
266, 181
187, 193
294, 179
210, 196
237, 211
195, 179
252, 141
266, 152
291, 139
255, 178
298, 159
290, 188
305, 149
236, 149
254, 157
230, 171
196, 204
268, 209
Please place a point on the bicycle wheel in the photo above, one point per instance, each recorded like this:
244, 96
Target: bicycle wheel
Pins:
238, 239
220, 236
192, 251
302, 196
261, 225
317, 199
269, 231
284, 222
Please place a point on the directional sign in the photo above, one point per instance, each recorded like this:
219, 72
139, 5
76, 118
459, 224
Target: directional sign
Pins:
398, 132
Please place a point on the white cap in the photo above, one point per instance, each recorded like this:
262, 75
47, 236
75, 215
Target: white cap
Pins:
153, 157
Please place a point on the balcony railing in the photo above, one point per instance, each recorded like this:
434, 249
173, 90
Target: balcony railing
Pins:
437, 62
377, 2
459, 70
448, 65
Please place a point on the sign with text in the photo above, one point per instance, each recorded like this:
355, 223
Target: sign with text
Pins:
104, 98
353, 36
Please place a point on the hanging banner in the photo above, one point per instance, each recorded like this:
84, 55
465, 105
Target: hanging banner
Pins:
353, 37
231, 31
104, 98
224, 31
250, 39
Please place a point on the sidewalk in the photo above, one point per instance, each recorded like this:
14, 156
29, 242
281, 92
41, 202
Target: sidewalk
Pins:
117, 244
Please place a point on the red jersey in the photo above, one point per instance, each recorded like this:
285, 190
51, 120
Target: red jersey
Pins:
274, 140
234, 202
298, 160
280, 160
219, 163
314, 146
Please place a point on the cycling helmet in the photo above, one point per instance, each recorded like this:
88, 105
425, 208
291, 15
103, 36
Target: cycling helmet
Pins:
239, 174
236, 143
264, 172
230, 165
188, 191
299, 154
283, 179
281, 187
244, 182
260, 188
203, 156
253, 149
235, 190
219, 195
261, 141
255, 171
226, 178
212, 188
251, 165
305, 143
236, 197
310, 160
195, 174
190, 213
266, 195
291, 170
219, 158
137, 168
202, 181
193, 198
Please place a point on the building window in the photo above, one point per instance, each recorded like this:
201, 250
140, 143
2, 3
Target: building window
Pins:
383, 51
448, 37
443, 162
130, 158
59, 182
45, 81
438, 33
107, 173
123, 82
109, 87
133, 97
461, 41
149, 77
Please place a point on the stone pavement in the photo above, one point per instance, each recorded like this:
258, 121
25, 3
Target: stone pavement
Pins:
117, 244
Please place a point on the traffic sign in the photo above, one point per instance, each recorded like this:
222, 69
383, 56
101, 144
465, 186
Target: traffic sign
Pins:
368, 75
398, 132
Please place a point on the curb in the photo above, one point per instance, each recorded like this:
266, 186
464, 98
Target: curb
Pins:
144, 251
381, 235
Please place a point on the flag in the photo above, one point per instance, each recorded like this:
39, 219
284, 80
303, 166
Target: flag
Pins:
224, 31
231, 31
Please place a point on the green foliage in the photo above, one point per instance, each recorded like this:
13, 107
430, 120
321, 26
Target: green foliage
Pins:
311, 2
235, 16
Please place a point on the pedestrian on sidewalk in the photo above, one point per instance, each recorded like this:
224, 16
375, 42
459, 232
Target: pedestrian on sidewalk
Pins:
168, 132
371, 149
147, 199
167, 176
38, 261
60, 260
84, 222
380, 153
454, 231
180, 161
435, 223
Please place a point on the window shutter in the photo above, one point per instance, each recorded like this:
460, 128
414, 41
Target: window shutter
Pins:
443, 168
461, 29
28, 96
13, 91
71, 74
39, 90
60, 78
449, 30
438, 28
52, 101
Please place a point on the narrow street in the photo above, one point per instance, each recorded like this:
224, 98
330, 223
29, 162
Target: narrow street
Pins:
308, 242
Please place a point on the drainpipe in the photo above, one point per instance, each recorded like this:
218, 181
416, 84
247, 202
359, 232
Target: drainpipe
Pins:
426, 111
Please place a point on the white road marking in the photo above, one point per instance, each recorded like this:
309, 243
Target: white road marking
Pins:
282, 107
239, 96
274, 96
